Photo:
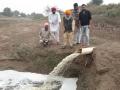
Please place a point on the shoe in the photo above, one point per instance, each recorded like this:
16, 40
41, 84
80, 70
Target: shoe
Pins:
77, 43
71, 47
57, 43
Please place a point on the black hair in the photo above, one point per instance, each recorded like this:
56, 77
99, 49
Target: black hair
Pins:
83, 5
75, 4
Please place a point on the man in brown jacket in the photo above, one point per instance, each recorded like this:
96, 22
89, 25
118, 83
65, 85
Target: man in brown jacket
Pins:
45, 35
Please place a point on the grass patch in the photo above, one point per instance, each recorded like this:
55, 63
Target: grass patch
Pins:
43, 60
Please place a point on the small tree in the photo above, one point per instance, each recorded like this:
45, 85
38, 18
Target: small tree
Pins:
47, 10
7, 12
16, 13
33, 14
37, 16
23, 15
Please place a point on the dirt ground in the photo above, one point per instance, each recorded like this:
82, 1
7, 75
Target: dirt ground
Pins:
104, 73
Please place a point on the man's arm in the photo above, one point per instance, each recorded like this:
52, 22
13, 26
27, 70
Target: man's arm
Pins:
80, 19
63, 21
49, 35
59, 18
49, 19
40, 34
90, 19
90, 16
64, 24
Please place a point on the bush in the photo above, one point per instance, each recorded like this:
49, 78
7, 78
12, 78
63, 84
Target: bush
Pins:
111, 10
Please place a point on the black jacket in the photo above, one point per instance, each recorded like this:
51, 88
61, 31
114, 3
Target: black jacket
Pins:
85, 17
67, 21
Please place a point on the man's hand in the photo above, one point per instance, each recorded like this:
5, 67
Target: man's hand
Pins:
53, 23
89, 26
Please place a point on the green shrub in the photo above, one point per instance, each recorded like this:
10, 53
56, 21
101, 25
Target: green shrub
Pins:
111, 10
41, 58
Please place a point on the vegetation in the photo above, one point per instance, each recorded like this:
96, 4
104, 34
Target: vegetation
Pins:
36, 16
16, 13
111, 10
39, 57
96, 2
9, 13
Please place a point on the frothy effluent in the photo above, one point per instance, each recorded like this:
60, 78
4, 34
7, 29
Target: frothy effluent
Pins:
13, 80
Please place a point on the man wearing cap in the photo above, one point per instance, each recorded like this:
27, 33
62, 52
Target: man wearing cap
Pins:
76, 25
68, 32
45, 35
85, 22
54, 21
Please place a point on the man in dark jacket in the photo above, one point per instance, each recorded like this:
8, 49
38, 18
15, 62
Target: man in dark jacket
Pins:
85, 21
76, 25
68, 32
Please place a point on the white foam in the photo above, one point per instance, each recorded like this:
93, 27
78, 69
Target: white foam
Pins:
11, 78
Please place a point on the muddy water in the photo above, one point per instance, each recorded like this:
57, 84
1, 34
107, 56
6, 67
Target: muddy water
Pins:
61, 68
13, 80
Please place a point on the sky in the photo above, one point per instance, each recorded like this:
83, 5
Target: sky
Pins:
38, 6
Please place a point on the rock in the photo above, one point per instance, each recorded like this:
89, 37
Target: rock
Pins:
103, 71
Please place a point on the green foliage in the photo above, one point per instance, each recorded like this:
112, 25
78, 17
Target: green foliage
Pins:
97, 2
111, 10
7, 12
40, 58
23, 15
37, 16
16, 13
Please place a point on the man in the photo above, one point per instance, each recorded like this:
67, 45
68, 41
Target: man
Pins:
54, 21
68, 32
85, 21
44, 35
76, 23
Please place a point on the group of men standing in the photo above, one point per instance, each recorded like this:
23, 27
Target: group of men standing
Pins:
76, 24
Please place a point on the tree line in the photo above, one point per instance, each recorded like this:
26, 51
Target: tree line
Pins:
9, 13
96, 2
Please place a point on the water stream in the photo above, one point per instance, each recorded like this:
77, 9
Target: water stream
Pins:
13, 80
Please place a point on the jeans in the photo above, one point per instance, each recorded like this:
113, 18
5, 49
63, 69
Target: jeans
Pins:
77, 35
85, 35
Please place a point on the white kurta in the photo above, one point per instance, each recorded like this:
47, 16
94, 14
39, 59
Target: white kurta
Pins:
54, 21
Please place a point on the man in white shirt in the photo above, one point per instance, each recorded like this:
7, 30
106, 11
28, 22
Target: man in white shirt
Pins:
54, 21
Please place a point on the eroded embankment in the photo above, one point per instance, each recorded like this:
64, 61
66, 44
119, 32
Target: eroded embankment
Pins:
103, 73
